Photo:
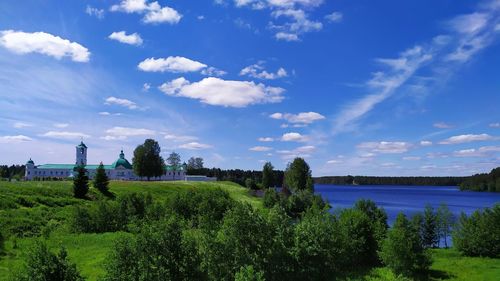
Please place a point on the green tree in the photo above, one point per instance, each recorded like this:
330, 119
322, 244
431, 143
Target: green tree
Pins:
174, 161
445, 221
80, 182
195, 163
248, 273
271, 198
298, 175
43, 265
430, 235
479, 234
268, 175
250, 183
101, 180
147, 161
402, 250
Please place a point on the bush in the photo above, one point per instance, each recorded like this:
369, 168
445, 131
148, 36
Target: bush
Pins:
161, 251
358, 234
98, 218
248, 273
301, 201
402, 250
271, 198
250, 184
378, 219
41, 264
479, 234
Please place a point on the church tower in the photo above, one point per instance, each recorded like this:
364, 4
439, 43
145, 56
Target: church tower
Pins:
81, 154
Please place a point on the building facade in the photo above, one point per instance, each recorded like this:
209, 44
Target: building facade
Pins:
121, 169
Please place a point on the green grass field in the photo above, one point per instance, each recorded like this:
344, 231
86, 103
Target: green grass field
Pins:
43, 207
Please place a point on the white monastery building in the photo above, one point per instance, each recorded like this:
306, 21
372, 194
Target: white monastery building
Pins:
121, 169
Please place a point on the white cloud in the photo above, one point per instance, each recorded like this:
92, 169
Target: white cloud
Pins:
153, 12
124, 132
146, 87
260, 148
442, 125
297, 24
385, 146
425, 143
334, 17
302, 151
383, 84
334, 161
300, 118
179, 138
484, 151
286, 36
294, 137
14, 139
121, 102
469, 23
65, 135
258, 71
495, 125
467, 138
61, 125
171, 64
131, 39
265, 139
195, 146
43, 43
412, 158
212, 71
91, 11
105, 113
20, 125
228, 93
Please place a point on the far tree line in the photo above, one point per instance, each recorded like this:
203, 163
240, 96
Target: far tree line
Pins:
373, 180
483, 182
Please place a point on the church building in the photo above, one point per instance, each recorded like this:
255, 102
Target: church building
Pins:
121, 169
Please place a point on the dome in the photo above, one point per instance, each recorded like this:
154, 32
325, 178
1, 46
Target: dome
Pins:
121, 162
81, 145
30, 162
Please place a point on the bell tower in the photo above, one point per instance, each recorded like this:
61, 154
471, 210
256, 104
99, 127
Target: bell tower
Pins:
81, 154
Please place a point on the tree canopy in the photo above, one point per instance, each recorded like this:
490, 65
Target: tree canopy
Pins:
298, 175
80, 182
147, 161
267, 175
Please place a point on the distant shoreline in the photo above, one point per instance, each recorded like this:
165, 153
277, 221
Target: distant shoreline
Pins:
375, 180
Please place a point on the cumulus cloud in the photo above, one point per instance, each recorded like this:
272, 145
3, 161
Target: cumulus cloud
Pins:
131, 39
495, 125
258, 71
302, 151
171, 64
124, 132
14, 139
300, 118
121, 102
294, 137
467, 138
20, 125
228, 93
65, 135
265, 139
334, 17
91, 11
385, 146
297, 22
260, 148
179, 138
195, 146
43, 43
153, 12
425, 143
484, 151
442, 125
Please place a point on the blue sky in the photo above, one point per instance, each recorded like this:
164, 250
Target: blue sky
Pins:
355, 87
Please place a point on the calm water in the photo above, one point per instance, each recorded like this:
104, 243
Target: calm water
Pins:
407, 199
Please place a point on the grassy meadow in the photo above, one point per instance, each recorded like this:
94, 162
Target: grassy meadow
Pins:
29, 209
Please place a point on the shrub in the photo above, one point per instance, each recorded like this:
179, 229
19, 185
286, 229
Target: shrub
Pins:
299, 202
360, 244
250, 184
378, 219
479, 234
402, 250
248, 273
98, 218
41, 264
161, 251
271, 198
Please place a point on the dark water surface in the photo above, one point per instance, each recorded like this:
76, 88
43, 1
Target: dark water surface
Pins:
407, 199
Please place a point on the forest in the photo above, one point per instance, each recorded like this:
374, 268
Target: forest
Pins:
483, 182
375, 180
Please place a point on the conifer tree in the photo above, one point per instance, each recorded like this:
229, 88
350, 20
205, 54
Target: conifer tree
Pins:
80, 182
430, 235
101, 180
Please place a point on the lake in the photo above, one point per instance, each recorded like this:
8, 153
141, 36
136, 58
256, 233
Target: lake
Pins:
407, 199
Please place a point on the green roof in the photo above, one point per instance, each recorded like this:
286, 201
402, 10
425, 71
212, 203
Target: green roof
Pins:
71, 166
30, 162
122, 162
